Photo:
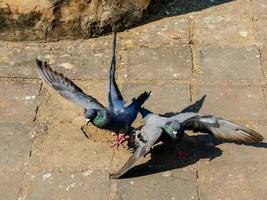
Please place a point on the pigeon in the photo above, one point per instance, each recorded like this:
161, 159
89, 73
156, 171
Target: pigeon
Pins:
117, 117
155, 126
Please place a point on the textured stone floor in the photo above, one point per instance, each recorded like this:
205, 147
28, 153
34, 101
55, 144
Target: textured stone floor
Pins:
218, 51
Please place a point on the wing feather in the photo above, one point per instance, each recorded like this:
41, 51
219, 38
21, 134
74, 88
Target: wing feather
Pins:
114, 95
142, 139
65, 87
222, 129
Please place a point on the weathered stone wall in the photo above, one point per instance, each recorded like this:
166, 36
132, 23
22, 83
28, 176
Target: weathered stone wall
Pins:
55, 19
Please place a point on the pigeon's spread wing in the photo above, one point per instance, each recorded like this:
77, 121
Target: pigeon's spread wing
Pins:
114, 94
195, 107
65, 87
141, 140
222, 129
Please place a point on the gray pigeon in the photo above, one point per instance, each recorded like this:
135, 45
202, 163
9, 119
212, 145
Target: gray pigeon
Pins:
144, 137
117, 117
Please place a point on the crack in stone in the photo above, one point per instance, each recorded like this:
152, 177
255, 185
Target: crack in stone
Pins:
23, 186
35, 113
190, 93
197, 176
18, 78
262, 64
113, 190
19, 196
37, 107
264, 95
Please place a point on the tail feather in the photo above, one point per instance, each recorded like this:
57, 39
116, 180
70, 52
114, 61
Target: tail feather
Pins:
144, 112
113, 60
141, 99
114, 93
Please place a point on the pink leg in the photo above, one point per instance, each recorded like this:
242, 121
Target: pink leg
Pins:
119, 140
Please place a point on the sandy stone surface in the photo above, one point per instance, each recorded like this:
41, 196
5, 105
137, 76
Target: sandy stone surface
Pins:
214, 48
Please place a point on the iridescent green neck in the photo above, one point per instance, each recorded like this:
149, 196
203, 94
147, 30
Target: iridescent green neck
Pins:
101, 119
168, 129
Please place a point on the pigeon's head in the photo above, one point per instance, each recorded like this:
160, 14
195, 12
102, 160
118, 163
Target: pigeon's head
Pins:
90, 115
173, 128
102, 118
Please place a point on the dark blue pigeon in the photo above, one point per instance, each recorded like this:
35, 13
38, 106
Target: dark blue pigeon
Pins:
117, 117
144, 137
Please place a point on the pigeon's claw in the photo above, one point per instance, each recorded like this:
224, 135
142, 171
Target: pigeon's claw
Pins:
119, 141
181, 155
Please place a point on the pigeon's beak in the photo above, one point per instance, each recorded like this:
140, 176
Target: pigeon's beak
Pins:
174, 134
87, 121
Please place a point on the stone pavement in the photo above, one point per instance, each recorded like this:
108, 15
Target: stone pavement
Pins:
219, 52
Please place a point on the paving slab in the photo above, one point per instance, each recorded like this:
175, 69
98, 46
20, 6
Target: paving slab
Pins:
223, 176
158, 186
233, 102
222, 25
231, 64
76, 60
159, 177
65, 184
232, 181
64, 143
239, 168
172, 96
10, 182
159, 63
169, 31
62, 164
79, 61
265, 93
18, 101
18, 60
66, 146
14, 147
261, 36
18, 104
264, 60
260, 8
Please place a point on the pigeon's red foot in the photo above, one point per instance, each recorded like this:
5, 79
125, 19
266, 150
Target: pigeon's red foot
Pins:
119, 141
181, 155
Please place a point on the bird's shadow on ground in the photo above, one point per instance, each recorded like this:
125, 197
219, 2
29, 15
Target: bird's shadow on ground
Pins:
198, 147
195, 107
163, 156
